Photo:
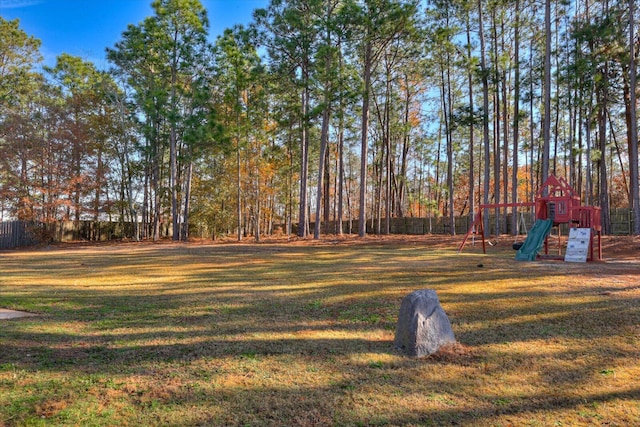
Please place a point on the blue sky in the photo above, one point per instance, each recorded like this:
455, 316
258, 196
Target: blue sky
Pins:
86, 27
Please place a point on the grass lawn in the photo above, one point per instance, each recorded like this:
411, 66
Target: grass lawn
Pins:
301, 334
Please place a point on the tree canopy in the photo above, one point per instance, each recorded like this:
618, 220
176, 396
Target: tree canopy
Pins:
343, 112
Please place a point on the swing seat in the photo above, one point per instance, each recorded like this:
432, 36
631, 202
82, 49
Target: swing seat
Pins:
516, 244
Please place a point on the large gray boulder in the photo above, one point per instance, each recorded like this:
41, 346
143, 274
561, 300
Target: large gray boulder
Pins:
423, 326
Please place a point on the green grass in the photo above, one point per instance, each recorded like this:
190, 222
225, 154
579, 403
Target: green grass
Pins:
302, 334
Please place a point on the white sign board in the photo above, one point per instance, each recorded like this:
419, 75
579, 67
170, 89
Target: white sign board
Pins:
578, 245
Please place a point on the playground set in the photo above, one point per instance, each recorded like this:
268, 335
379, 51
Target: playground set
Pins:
556, 203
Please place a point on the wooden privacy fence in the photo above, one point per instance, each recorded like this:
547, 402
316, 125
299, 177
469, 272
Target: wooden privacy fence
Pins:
621, 224
94, 231
621, 221
400, 226
15, 234
439, 225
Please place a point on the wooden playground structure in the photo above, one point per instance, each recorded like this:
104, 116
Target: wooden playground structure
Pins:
556, 203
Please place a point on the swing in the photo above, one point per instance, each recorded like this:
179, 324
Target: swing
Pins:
516, 243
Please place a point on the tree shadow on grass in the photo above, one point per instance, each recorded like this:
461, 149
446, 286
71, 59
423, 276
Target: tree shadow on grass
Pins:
223, 315
268, 310
112, 341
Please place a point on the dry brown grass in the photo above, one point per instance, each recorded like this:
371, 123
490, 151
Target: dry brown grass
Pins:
300, 333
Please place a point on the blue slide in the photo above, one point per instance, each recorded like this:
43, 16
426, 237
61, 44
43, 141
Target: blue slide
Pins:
535, 239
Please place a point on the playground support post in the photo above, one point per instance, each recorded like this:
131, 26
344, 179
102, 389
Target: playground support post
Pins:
480, 224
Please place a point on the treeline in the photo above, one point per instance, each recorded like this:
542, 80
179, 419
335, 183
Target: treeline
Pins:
324, 111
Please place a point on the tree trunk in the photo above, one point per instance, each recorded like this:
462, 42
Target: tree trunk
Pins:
546, 122
497, 197
532, 187
324, 137
155, 184
402, 182
633, 124
362, 218
472, 212
238, 185
485, 115
340, 189
258, 210
505, 132
173, 152
184, 235
304, 157
447, 101
603, 188
388, 155
516, 121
